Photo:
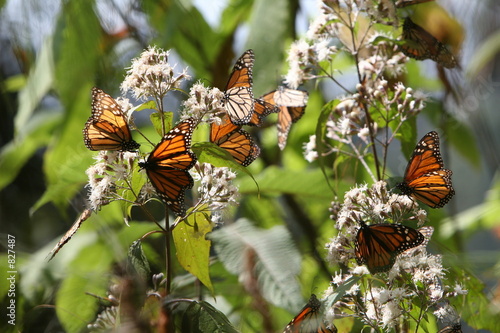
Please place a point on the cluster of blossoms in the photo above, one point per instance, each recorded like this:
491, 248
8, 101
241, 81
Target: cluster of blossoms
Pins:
416, 277
107, 176
203, 103
152, 75
216, 189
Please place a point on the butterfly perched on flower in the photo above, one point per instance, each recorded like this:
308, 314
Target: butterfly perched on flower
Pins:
168, 164
420, 44
425, 178
238, 96
378, 245
292, 104
309, 319
456, 328
235, 140
107, 127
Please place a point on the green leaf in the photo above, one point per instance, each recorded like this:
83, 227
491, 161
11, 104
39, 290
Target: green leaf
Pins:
277, 18
137, 181
138, 261
39, 83
201, 317
88, 273
66, 160
303, 183
149, 105
193, 248
321, 136
156, 120
16, 153
269, 254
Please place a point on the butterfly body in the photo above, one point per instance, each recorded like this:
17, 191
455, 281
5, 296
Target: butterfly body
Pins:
107, 127
238, 96
420, 45
235, 140
425, 177
378, 245
309, 319
168, 164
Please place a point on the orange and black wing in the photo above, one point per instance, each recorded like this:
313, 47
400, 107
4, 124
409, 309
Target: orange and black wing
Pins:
420, 44
292, 104
107, 127
425, 177
238, 96
235, 140
309, 319
168, 164
377, 246
261, 110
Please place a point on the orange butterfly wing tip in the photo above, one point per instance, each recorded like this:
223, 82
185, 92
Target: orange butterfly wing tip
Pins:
425, 178
309, 319
238, 96
107, 127
167, 166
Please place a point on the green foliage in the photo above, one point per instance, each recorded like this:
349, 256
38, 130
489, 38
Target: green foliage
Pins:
193, 248
269, 254
202, 317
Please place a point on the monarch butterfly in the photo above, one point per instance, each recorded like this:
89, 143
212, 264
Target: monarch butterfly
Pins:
107, 128
67, 236
235, 140
238, 96
292, 104
261, 110
420, 45
456, 328
425, 178
309, 320
378, 245
168, 164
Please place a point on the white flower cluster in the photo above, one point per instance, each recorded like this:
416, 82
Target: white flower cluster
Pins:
216, 188
203, 103
105, 176
152, 75
416, 274
373, 204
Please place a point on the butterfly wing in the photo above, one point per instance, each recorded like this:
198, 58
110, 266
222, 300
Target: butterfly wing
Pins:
292, 104
261, 110
238, 96
309, 319
377, 246
107, 128
420, 44
425, 177
235, 140
168, 164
